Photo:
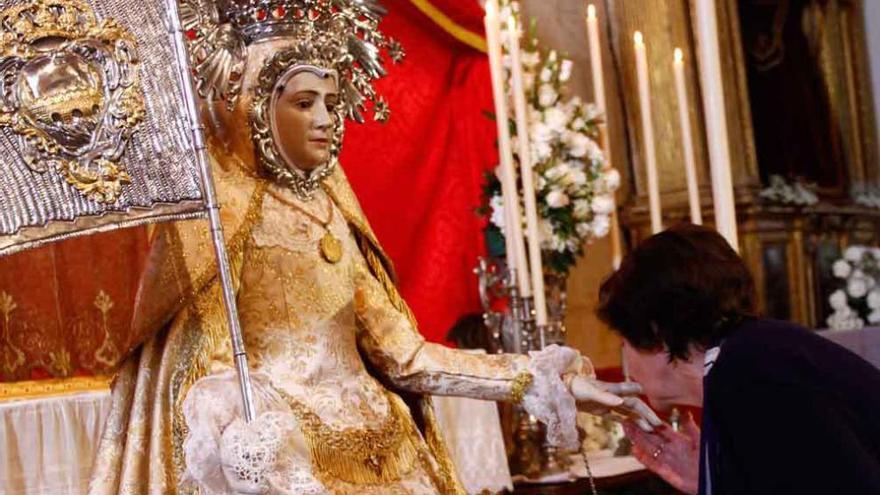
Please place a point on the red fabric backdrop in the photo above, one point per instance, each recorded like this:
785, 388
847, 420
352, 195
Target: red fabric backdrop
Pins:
418, 176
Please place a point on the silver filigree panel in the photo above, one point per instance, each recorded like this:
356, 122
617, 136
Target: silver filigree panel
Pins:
39, 202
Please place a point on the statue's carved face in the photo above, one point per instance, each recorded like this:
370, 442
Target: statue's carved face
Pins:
304, 117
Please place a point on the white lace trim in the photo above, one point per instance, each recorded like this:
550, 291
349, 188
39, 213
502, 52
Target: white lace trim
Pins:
548, 399
226, 456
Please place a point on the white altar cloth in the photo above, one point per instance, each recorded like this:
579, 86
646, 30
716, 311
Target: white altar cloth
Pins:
49, 444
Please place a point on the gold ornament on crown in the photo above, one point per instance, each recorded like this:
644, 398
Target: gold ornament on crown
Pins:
70, 93
341, 37
345, 33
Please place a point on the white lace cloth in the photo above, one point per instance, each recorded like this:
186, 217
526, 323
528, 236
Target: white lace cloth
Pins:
226, 456
548, 399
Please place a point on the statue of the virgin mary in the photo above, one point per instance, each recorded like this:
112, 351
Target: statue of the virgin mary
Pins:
333, 348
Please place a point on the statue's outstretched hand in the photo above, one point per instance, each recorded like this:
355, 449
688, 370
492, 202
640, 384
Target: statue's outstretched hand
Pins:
617, 399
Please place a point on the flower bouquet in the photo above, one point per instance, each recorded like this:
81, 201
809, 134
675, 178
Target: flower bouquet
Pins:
858, 298
573, 184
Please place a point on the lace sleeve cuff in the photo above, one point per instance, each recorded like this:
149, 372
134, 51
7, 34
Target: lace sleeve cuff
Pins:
546, 395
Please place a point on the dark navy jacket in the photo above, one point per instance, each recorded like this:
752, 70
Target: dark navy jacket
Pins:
789, 412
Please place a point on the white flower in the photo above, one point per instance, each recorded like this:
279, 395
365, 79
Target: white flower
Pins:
565, 70
603, 205
874, 317
504, 13
578, 144
875, 252
557, 199
541, 183
838, 300
547, 95
591, 111
857, 287
541, 151
874, 299
546, 74
572, 107
541, 132
530, 59
845, 320
601, 225
506, 61
552, 56
541, 135
497, 205
559, 243
612, 179
594, 153
841, 269
576, 176
854, 253
556, 173
555, 119
584, 229
578, 124
582, 209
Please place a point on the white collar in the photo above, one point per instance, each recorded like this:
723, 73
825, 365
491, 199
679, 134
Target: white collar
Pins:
710, 358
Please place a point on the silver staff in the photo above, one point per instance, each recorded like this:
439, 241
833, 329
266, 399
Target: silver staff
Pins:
175, 31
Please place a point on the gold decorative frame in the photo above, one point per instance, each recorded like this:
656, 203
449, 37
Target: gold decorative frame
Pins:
86, 77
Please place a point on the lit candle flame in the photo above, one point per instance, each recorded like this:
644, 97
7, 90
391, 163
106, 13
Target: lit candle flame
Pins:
591, 11
678, 55
637, 37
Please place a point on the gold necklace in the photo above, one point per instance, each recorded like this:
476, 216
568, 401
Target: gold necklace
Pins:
330, 245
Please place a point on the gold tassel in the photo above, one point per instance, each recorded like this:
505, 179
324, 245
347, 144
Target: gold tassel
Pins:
360, 456
363, 469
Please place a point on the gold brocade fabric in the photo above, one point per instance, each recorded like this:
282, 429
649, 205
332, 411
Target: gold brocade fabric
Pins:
308, 325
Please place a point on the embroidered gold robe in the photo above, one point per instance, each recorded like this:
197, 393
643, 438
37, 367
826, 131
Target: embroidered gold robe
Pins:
311, 327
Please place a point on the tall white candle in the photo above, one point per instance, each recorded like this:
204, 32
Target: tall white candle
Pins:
525, 158
599, 98
648, 133
516, 254
687, 141
716, 120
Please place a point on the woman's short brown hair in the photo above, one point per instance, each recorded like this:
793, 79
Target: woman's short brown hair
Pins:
680, 288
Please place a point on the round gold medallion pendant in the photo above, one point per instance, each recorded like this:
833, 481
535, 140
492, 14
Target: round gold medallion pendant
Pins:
331, 248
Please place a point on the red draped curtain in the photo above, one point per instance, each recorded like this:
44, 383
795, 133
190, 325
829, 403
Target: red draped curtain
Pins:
419, 176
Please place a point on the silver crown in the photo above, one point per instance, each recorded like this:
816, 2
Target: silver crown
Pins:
343, 35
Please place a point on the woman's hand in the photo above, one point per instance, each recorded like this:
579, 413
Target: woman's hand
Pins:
673, 456
602, 398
